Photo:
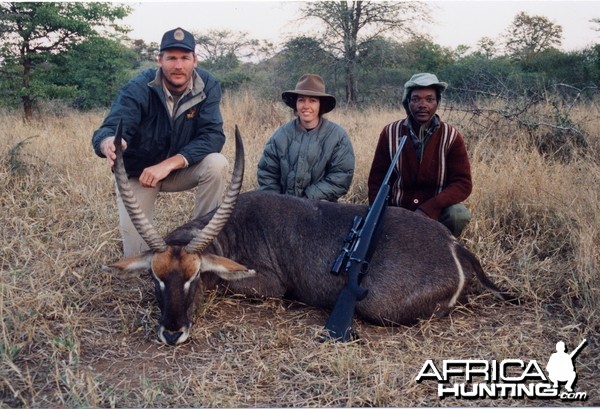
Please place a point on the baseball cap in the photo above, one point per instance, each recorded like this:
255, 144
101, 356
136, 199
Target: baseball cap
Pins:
178, 38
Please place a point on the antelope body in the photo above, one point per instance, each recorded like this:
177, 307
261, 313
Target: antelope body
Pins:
281, 246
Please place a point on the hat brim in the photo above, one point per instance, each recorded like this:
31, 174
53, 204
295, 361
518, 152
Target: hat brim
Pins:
328, 102
439, 85
180, 46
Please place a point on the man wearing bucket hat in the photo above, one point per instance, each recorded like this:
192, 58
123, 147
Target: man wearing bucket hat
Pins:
434, 174
309, 156
172, 131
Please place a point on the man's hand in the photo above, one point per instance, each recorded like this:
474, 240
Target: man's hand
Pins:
154, 174
107, 147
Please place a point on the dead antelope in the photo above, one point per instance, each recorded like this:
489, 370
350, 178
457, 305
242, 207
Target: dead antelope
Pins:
288, 244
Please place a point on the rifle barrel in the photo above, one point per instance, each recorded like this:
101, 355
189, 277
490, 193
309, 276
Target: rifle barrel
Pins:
388, 175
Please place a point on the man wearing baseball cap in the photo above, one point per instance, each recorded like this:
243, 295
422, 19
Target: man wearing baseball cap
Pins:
434, 174
172, 131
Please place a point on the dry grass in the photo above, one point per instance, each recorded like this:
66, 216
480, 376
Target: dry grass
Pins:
73, 335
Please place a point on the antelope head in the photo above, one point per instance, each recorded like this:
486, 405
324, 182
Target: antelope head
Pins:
176, 269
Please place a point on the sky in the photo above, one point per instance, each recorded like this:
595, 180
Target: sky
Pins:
455, 22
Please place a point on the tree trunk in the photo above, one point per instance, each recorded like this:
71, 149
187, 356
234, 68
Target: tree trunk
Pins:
353, 16
27, 107
350, 68
350, 83
26, 97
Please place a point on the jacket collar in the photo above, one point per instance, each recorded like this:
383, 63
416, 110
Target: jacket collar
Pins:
413, 125
195, 96
298, 125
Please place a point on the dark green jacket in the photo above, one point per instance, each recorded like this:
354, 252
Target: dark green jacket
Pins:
152, 135
316, 164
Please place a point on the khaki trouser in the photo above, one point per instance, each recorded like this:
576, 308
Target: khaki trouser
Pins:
208, 175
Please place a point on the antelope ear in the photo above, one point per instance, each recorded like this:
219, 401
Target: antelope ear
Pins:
132, 266
225, 268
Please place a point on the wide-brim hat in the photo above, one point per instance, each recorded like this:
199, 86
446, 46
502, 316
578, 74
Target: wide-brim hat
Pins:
178, 38
311, 85
422, 80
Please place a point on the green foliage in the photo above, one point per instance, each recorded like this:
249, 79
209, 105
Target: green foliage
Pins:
96, 69
225, 62
73, 64
145, 53
10, 84
32, 33
302, 55
530, 35
422, 55
224, 49
233, 80
350, 25
577, 68
299, 55
225, 52
385, 65
475, 76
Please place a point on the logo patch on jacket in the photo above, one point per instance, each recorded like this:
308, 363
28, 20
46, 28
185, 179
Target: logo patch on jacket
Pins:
191, 113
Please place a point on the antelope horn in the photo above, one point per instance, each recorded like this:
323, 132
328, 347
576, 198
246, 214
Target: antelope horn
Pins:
216, 223
139, 219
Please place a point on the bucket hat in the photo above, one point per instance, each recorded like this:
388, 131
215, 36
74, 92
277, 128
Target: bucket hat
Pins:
421, 80
178, 38
310, 85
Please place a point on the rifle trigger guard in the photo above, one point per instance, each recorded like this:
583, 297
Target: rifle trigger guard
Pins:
364, 264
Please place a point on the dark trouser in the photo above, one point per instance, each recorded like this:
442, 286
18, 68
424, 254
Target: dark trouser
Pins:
455, 218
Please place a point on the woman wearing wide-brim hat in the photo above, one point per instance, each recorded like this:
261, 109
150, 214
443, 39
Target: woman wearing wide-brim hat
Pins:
310, 156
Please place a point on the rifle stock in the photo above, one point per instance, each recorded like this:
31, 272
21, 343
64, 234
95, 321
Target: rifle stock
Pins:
339, 324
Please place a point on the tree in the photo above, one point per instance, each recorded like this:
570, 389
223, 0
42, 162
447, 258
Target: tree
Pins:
382, 72
32, 32
575, 68
529, 35
425, 56
223, 49
350, 24
224, 52
487, 47
95, 69
147, 53
301, 55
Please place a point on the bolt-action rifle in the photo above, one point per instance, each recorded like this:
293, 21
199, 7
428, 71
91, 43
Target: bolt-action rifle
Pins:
355, 256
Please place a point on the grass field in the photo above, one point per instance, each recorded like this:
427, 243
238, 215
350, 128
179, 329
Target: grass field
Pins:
74, 335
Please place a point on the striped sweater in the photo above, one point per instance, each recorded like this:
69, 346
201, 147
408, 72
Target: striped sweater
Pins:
442, 178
